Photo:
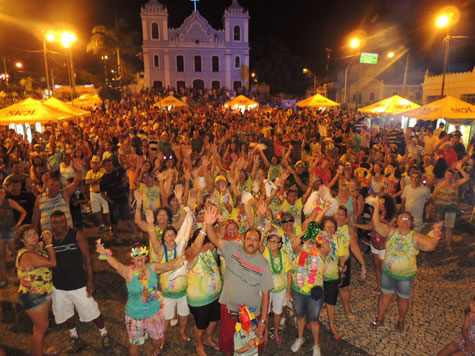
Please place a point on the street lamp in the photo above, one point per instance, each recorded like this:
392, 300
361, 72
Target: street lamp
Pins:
106, 75
445, 19
308, 72
50, 37
5, 76
354, 43
67, 39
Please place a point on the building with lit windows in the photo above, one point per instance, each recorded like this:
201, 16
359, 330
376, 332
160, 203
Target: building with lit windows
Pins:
195, 54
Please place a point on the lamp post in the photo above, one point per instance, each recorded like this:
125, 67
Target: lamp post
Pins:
67, 38
354, 43
307, 71
446, 18
5, 76
50, 37
391, 55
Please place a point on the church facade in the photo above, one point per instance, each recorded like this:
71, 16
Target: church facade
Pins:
195, 54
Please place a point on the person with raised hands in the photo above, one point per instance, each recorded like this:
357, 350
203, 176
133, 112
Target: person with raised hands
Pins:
144, 315
400, 265
307, 283
247, 281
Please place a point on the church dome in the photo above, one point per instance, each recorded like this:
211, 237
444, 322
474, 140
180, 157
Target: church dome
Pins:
154, 5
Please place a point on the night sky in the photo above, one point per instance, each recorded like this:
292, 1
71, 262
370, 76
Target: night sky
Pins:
307, 27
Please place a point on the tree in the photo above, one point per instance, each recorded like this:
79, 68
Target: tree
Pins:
121, 44
277, 66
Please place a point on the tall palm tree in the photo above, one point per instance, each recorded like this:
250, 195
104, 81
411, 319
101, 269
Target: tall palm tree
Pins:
120, 43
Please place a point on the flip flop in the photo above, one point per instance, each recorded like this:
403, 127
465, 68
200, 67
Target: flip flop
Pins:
215, 348
50, 351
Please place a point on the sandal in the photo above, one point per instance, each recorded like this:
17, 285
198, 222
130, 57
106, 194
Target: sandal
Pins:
214, 347
377, 323
50, 351
400, 326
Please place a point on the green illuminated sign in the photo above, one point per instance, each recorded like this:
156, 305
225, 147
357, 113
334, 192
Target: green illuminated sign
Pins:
369, 58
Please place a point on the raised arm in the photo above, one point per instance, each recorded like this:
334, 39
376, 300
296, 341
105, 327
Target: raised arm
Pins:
193, 251
120, 268
138, 211
210, 217
71, 188
169, 266
429, 242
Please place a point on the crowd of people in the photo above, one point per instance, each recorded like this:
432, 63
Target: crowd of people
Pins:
232, 215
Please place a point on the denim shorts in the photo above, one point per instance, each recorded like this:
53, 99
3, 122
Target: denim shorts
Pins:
305, 305
402, 288
33, 301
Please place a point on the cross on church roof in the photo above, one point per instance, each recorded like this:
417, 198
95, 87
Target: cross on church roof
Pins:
194, 3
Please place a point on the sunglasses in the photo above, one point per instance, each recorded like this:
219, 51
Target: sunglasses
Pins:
139, 251
287, 221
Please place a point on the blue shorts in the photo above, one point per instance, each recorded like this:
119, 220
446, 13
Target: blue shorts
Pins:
305, 305
402, 288
33, 301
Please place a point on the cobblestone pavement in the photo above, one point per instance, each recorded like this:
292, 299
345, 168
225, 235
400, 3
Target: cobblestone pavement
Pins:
443, 286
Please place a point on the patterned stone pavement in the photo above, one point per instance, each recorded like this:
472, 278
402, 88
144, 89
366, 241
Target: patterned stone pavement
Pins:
443, 287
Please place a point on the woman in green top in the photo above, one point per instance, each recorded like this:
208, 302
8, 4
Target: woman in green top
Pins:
399, 265
307, 277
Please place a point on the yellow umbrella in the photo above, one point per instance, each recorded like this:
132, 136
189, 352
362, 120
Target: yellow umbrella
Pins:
61, 105
30, 111
241, 102
317, 101
448, 108
88, 101
393, 105
169, 101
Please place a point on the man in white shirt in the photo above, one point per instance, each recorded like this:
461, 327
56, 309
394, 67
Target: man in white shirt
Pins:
414, 198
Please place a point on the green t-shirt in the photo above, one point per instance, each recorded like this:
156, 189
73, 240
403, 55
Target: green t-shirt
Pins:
204, 280
400, 258
279, 267
331, 269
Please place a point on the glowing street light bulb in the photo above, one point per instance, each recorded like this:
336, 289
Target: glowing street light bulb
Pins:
50, 37
442, 21
305, 71
390, 54
19, 65
354, 43
67, 38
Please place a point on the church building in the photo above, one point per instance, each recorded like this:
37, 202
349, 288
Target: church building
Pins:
195, 54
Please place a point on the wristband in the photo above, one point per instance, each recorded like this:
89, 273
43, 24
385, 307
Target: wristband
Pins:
151, 229
49, 245
107, 253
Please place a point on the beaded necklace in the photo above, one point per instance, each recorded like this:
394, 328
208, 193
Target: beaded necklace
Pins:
147, 293
166, 252
281, 266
